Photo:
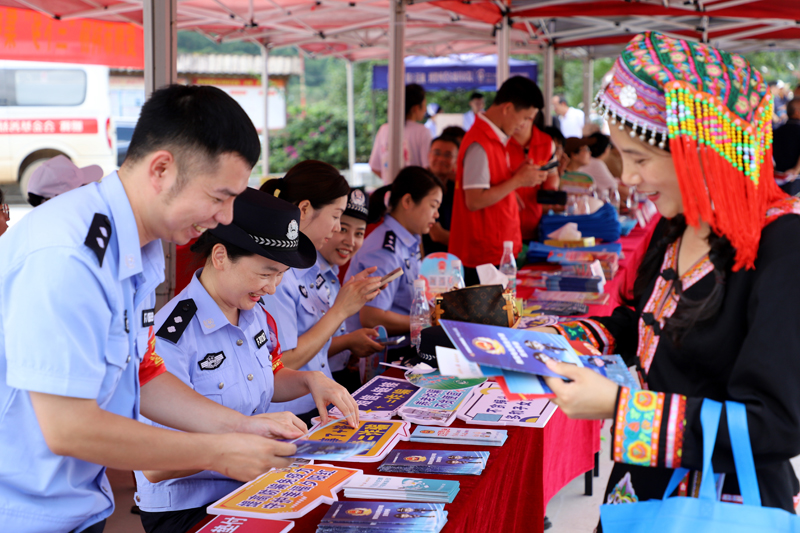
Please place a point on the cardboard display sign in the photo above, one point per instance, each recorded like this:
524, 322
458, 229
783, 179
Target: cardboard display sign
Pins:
383, 434
489, 407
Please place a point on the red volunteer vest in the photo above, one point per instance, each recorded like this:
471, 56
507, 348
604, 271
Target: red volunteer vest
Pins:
540, 150
476, 237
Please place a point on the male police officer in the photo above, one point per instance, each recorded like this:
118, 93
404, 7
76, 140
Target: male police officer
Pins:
77, 280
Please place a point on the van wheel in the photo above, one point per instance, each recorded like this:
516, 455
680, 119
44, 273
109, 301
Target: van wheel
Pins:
26, 173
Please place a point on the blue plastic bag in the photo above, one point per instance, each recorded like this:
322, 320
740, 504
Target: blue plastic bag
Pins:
706, 514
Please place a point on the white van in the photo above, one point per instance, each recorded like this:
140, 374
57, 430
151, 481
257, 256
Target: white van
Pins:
49, 109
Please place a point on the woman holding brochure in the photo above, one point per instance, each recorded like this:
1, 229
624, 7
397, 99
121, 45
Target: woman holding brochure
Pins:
216, 337
714, 313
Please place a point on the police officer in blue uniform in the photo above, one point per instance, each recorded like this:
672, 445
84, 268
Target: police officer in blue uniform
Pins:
217, 338
306, 319
335, 253
413, 209
77, 280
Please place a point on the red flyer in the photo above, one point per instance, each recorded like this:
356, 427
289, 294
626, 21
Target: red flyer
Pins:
238, 524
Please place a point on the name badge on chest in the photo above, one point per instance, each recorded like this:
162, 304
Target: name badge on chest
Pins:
260, 338
148, 317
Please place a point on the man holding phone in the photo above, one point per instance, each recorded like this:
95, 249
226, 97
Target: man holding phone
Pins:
485, 210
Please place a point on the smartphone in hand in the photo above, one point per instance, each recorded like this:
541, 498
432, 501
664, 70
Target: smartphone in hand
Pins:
391, 276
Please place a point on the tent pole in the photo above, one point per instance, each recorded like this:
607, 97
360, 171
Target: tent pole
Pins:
588, 82
549, 82
503, 45
159, 18
397, 89
265, 88
351, 123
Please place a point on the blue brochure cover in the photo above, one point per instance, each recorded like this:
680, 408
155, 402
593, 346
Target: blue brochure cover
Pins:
331, 451
436, 462
508, 348
612, 367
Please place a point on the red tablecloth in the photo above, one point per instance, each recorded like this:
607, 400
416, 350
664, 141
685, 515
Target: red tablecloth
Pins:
520, 478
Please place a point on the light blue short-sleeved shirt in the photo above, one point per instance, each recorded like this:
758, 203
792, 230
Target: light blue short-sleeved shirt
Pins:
231, 365
300, 301
76, 308
389, 246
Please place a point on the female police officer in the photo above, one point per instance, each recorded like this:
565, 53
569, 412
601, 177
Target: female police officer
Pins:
216, 337
414, 207
306, 320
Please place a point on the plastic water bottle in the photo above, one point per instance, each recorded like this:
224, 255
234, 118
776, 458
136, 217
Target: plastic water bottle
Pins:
508, 266
420, 313
456, 279
614, 198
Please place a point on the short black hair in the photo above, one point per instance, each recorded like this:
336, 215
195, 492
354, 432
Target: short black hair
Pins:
447, 139
793, 107
561, 99
316, 181
416, 181
415, 95
555, 134
601, 142
456, 132
475, 96
194, 119
520, 91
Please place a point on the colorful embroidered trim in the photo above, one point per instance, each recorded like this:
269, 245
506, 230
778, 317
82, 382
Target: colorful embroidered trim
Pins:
675, 429
588, 331
637, 427
663, 301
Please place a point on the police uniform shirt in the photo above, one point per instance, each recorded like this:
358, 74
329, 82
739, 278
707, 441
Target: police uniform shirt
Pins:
330, 291
231, 365
388, 247
301, 300
76, 303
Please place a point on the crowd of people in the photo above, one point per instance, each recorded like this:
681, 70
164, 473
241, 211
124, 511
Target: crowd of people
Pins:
287, 294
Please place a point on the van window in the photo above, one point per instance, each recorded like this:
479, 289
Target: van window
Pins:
42, 87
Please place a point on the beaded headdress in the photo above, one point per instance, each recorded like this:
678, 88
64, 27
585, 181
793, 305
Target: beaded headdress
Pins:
713, 112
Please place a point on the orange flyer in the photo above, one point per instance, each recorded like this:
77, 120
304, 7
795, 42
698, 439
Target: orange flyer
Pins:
285, 493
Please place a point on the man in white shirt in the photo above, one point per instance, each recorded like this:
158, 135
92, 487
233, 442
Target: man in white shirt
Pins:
476, 104
571, 120
416, 137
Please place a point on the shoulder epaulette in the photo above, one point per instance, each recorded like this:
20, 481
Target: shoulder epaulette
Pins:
389, 241
98, 236
178, 321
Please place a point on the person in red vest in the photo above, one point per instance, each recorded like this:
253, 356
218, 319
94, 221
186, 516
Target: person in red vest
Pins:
485, 210
538, 147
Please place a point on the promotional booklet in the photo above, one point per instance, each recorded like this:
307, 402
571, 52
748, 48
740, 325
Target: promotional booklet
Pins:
380, 398
435, 380
509, 349
363, 517
329, 451
461, 436
489, 407
453, 462
381, 435
612, 367
239, 524
408, 489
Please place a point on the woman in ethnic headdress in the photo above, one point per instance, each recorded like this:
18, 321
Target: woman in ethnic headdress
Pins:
715, 309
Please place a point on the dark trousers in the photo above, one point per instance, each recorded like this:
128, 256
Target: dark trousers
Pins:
173, 521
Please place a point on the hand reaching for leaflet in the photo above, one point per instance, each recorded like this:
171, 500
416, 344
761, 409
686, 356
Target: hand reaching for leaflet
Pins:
324, 391
283, 425
244, 457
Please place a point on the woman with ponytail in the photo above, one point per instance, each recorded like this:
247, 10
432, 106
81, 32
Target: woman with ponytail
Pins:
413, 209
715, 307
309, 305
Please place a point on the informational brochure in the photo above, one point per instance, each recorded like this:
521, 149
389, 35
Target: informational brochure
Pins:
380, 398
489, 407
452, 462
401, 488
328, 451
435, 380
460, 436
363, 517
434, 407
510, 349
612, 367
382, 435
285, 493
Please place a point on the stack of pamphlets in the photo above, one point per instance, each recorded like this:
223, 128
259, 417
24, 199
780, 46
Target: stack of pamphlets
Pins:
386, 517
560, 282
329, 451
461, 436
407, 489
453, 462
609, 259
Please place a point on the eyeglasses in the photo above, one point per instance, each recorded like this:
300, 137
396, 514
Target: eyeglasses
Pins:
5, 211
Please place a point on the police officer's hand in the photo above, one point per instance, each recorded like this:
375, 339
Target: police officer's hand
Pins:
354, 294
244, 457
324, 391
283, 425
364, 273
362, 344
529, 175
